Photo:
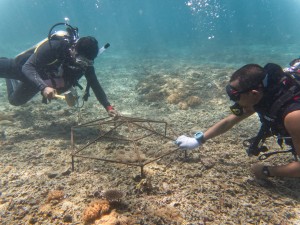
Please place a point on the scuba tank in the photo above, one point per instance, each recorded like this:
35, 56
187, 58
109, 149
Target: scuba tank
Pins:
70, 35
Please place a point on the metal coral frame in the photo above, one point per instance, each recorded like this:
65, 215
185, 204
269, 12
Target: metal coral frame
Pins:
138, 123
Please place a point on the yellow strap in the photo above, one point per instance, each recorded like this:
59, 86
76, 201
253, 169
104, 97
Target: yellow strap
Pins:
52, 62
39, 44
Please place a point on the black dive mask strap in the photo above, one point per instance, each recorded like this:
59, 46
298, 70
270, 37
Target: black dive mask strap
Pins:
72, 31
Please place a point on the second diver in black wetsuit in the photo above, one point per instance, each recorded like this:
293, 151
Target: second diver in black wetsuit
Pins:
53, 67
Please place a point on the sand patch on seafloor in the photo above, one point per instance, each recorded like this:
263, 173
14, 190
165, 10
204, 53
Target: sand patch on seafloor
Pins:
212, 186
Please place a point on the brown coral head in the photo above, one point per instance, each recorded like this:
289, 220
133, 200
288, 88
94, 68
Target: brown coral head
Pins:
113, 195
174, 98
183, 106
95, 210
193, 101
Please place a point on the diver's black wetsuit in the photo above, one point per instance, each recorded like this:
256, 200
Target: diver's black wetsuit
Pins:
47, 66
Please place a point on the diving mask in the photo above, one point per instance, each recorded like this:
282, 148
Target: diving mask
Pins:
234, 94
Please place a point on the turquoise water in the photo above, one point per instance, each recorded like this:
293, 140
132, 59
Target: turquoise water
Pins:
207, 31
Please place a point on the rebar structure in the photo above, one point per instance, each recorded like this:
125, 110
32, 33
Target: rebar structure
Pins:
125, 140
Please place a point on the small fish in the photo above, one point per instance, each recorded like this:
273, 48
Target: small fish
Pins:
8, 117
6, 123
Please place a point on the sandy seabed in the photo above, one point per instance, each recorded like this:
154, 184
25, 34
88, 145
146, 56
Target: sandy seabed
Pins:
209, 185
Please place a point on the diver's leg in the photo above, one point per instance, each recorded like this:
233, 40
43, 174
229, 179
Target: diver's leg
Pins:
20, 92
11, 86
7, 68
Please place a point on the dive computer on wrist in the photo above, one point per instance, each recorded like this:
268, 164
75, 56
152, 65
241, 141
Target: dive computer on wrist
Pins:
199, 136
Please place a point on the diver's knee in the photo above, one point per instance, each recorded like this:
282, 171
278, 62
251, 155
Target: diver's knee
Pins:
15, 102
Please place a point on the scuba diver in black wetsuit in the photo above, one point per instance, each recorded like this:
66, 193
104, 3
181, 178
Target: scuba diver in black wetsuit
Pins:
274, 94
52, 67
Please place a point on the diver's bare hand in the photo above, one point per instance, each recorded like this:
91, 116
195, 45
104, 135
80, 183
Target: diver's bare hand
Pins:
112, 112
49, 93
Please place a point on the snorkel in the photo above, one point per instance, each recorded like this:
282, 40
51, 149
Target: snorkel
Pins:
101, 50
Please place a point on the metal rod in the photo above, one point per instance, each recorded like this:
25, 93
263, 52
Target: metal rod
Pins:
96, 139
142, 171
73, 166
153, 131
117, 123
107, 160
169, 153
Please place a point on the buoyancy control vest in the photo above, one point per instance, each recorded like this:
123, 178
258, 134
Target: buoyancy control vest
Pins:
281, 90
